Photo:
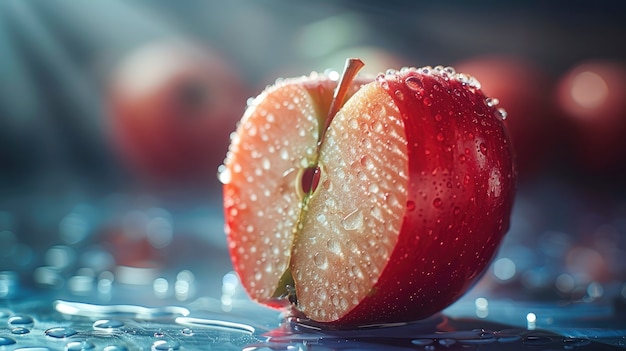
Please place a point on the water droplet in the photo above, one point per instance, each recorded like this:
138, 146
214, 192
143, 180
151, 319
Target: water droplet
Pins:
438, 117
483, 148
187, 332
570, 343
20, 330
410, 205
284, 154
437, 202
32, 348
399, 95
265, 164
492, 102
414, 83
224, 175
456, 210
537, 340
501, 113
427, 101
20, 321
5, 340
333, 246
447, 342
422, 342
60, 332
373, 188
114, 348
165, 345
79, 345
507, 338
367, 163
353, 220
320, 260
107, 324
440, 137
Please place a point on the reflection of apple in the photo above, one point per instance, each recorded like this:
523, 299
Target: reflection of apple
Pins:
523, 91
592, 97
172, 107
384, 209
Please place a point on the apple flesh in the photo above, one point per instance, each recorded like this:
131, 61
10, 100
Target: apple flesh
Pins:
412, 187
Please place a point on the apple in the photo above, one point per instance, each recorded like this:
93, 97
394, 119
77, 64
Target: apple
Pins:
591, 99
172, 105
523, 89
369, 199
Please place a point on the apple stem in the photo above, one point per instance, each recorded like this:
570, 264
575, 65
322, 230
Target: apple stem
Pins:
350, 70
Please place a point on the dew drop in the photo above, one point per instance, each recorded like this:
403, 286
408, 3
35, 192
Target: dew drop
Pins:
224, 175
367, 163
422, 342
320, 260
399, 95
410, 205
440, 137
427, 101
79, 345
437, 202
4, 341
333, 246
414, 83
187, 332
165, 345
492, 102
483, 148
353, 220
20, 331
60, 332
456, 210
20, 321
438, 117
265, 164
501, 113
107, 324
353, 287
114, 348
284, 154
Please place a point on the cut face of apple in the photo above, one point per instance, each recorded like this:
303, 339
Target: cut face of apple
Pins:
386, 211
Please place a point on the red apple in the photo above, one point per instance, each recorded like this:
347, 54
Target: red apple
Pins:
524, 92
172, 107
591, 97
385, 208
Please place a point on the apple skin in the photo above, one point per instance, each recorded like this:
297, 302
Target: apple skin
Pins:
172, 105
460, 190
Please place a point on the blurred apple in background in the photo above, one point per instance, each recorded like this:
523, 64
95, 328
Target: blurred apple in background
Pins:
523, 90
172, 106
592, 100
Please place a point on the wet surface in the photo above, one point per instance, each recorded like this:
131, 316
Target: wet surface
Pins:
136, 275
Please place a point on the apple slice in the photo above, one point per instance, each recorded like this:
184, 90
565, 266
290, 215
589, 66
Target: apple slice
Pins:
383, 209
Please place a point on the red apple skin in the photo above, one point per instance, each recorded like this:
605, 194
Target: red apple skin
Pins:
461, 185
172, 106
